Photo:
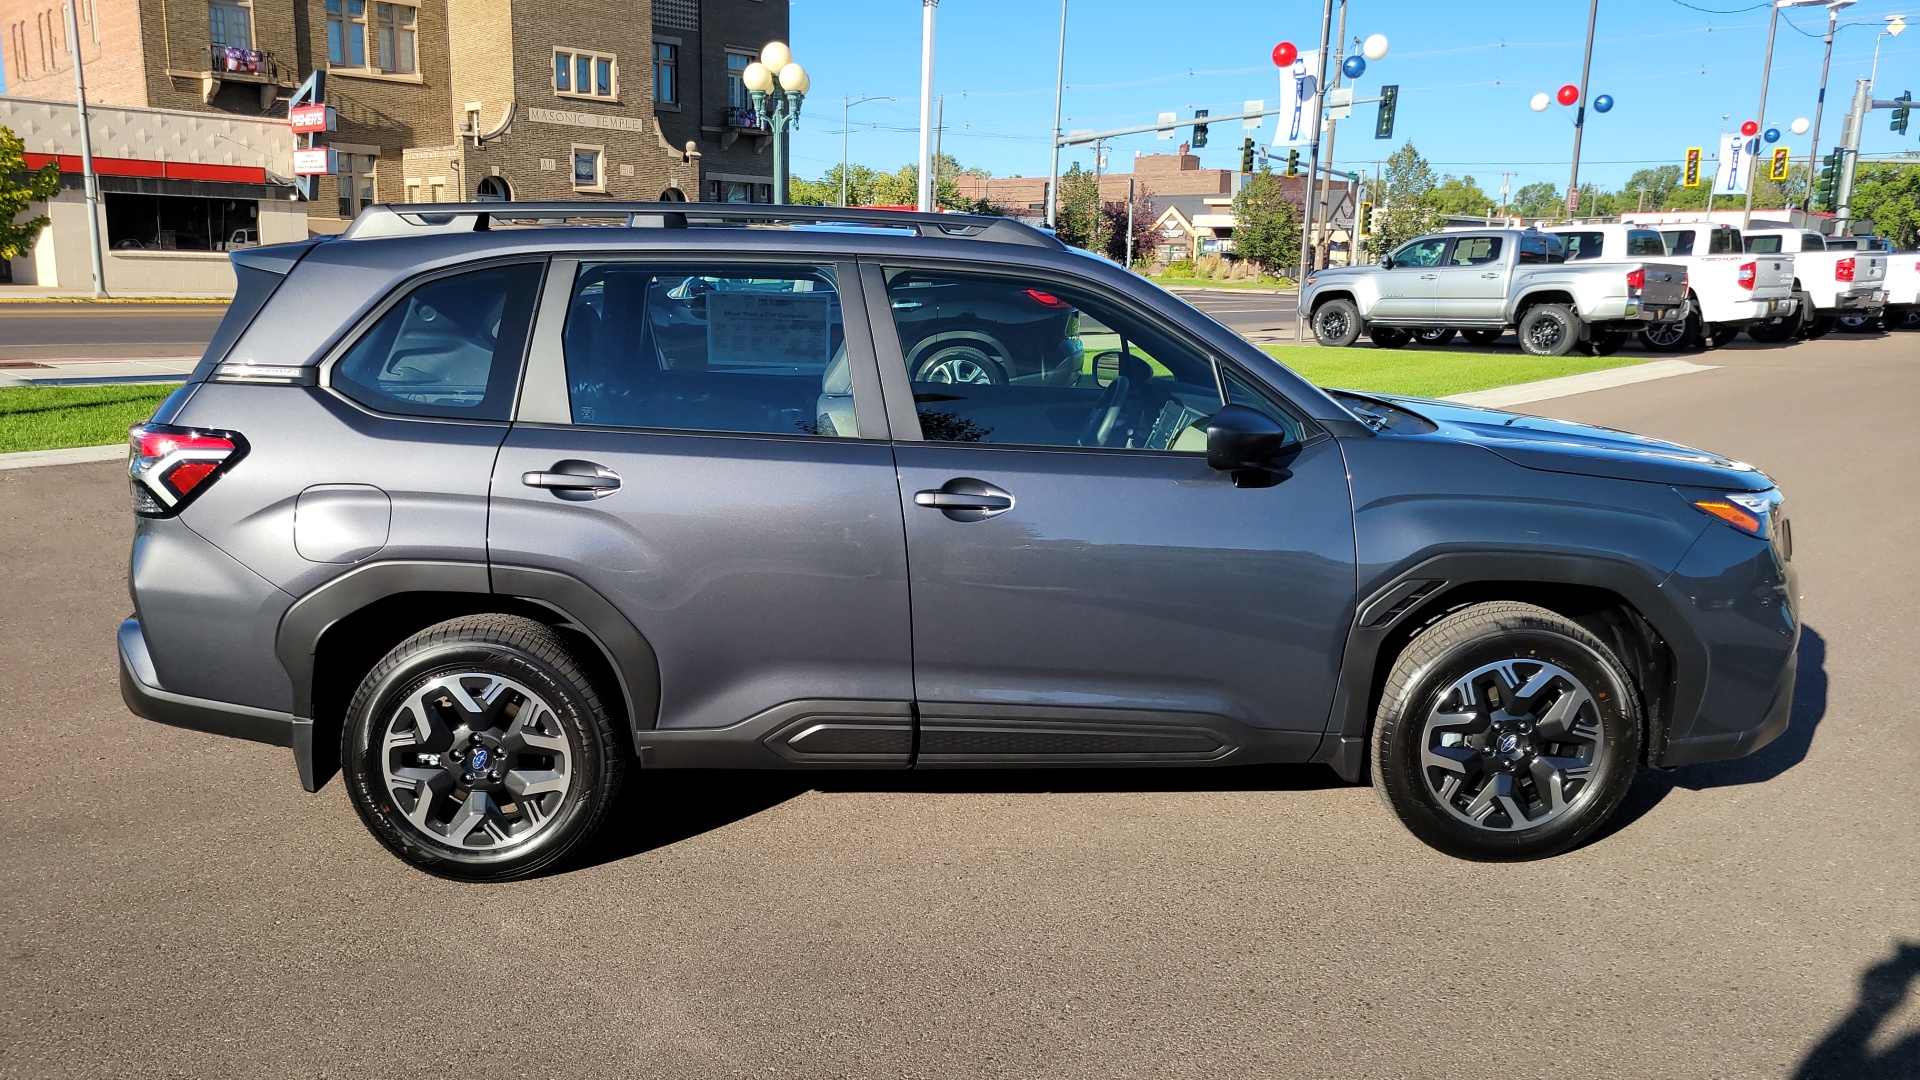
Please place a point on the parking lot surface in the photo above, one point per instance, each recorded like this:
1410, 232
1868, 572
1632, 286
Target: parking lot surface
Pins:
174, 905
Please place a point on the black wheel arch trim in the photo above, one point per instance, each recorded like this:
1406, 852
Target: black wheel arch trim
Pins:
1386, 609
576, 605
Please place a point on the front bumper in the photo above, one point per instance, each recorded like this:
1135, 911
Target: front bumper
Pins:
139, 688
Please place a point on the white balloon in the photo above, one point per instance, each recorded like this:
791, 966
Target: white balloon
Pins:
1800, 126
1540, 102
1375, 47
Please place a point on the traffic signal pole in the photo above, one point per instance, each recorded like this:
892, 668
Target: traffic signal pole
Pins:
1820, 109
1760, 117
1313, 169
1850, 153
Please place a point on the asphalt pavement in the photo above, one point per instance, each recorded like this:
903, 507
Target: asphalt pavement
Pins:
65, 331
1258, 316
174, 905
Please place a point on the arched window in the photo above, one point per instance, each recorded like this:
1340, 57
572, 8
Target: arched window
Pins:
493, 189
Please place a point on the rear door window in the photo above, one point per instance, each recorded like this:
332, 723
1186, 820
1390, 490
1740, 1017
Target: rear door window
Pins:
1724, 242
452, 347
1763, 245
1583, 245
750, 349
1679, 242
1645, 242
1475, 251
1812, 242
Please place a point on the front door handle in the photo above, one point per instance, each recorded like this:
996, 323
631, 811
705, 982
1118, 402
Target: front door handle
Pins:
575, 479
1491, 275
965, 499
1429, 277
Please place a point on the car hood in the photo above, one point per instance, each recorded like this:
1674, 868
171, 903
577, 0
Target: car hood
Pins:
1536, 442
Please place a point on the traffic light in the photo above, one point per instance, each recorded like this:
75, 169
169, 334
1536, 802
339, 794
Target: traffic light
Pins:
1199, 128
1366, 217
1899, 125
1293, 163
1692, 176
1389, 99
1246, 154
1778, 171
1826, 188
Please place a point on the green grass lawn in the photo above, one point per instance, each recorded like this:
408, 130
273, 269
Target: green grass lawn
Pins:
1434, 372
56, 417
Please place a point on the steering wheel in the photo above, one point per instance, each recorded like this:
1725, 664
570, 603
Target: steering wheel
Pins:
1106, 413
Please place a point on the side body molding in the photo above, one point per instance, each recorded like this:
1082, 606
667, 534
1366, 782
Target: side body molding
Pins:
577, 607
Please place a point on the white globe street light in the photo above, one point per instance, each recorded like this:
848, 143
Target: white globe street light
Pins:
776, 55
776, 86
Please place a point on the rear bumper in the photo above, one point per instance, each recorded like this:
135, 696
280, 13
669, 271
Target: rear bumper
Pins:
149, 701
1861, 303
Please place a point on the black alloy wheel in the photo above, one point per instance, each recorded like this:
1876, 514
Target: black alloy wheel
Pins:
1389, 337
1336, 323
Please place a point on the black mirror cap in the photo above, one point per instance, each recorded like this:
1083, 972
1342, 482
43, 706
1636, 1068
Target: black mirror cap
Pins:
1239, 438
1386, 262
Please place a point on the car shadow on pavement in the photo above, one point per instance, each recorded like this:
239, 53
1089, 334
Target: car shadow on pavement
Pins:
1847, 1052
669, 806
1783, 753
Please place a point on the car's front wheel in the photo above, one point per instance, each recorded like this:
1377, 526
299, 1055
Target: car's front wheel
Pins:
1336, 323
1506, 731
1483, 337
478, 749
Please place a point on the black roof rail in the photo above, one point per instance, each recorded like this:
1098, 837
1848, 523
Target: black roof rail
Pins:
419, 219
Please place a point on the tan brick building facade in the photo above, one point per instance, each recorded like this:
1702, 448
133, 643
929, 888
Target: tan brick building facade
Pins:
1154, 174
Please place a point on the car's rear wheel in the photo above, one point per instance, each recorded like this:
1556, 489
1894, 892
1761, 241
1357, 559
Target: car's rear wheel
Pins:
1549, 330
963, 363
1772, 333
1336, 323
478, 749
1506, 731
1604, 343
1674, 337
1389, 337
1482, 337
1435, 335
1821, 325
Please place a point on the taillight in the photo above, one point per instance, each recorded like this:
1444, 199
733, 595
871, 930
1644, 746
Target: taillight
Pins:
1637, 278
170, 466
1843, 270
1748, 272
1045, 299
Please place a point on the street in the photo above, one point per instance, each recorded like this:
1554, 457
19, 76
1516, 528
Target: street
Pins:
177, 906
1259, 317
55, 331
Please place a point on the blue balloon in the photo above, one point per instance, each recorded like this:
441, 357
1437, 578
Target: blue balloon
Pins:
1354, 66
1603, 103
1773, 135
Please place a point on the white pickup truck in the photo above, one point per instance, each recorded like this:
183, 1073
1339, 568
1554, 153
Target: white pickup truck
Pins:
1485, 281
1902, 284
1829, 284
1728, 290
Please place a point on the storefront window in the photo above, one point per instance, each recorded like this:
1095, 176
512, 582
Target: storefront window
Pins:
180, 223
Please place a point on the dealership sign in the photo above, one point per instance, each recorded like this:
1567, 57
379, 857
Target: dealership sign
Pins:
317, 161
308, 119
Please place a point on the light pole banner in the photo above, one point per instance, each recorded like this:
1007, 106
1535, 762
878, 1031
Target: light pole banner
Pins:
1736, 164
1299, 101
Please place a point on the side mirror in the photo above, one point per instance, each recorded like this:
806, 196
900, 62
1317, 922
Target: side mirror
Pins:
1386, 262
1242, 440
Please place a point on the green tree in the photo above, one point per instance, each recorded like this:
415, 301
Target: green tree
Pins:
1889, 196
1077, 220
17, 195
1650, 189
1113, 215
1539, 199
1266, 224
1403, 201
1461, 195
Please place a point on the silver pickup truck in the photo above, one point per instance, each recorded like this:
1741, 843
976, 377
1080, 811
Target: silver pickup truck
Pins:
1485, 282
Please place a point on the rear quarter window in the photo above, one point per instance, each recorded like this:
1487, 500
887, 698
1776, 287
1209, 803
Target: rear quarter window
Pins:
1763, 245
1645, 242
1724, 242
1679, 242
1584, 245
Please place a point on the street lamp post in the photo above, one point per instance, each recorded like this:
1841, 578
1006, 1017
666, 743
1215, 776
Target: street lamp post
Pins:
927, 189
1059, 86
1820, 107
1766, 71
86, 151
1580, 116
844, 106
776, 85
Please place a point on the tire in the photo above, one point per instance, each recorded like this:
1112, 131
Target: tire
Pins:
1336, 323
434, 692
1435, 335
1674, 337
1772, 333
1801, 321
1439, 755
1482, 337
1821, 326
1856, 324
965, 362
1549, 330
1605, 343
1389, 337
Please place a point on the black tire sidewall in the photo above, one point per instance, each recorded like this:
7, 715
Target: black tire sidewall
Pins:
411, 666
1389, 337
1570, 329
1397, 757
1353, 323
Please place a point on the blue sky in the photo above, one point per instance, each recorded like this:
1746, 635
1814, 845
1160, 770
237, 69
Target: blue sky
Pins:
1465, 71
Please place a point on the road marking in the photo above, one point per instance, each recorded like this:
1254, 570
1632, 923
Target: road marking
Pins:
73, 456
1503, 396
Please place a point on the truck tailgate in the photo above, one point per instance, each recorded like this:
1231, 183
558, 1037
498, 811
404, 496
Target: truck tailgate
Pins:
1772, 276
1869, 271
1666, 284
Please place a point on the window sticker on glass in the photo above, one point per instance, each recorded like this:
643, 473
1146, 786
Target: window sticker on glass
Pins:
767, 329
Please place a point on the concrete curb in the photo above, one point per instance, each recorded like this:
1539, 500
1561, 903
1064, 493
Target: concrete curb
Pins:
1502, 396
75, 455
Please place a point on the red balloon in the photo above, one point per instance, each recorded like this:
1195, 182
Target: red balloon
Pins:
1569, 94
1284, 54
1749, 128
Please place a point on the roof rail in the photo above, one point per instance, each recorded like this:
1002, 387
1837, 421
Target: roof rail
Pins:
421, 219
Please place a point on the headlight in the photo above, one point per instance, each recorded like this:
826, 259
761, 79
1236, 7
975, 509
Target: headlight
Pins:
1752, 512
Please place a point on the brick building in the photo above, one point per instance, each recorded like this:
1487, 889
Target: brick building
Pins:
1154, 174
441, 99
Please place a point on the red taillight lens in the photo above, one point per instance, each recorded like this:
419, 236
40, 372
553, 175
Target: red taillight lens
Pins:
1046, 299
170, 465
1843, 270
1637, 278
1748, 272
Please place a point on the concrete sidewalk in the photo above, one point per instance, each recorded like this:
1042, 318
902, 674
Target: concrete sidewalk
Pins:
97, 371
33, 294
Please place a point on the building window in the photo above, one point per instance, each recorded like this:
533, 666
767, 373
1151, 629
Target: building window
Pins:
589, 168
180, 223
356, 182
666, 73
585, 74
393, 27
230, 25
737, 89
739, 191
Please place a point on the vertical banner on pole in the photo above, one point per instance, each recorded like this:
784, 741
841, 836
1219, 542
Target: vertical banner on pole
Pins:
1299, 101
1736, 164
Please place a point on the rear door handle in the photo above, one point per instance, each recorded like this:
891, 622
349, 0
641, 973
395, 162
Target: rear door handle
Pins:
1429, 277
574, 478
965, 499
1492, 275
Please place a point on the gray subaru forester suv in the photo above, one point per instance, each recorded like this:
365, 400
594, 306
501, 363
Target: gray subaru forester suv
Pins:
487, 508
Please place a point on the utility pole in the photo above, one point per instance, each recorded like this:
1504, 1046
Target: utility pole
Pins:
1580, 114
1766, 72
1326, 182
1059, 85
1850, 153
1130, 180
86, 151
1313, 169
927, 10
1820, 109
939, 139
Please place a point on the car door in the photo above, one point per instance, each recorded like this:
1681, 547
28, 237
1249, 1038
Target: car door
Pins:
1472, 283
1407, 289
1084, 586
702, 444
